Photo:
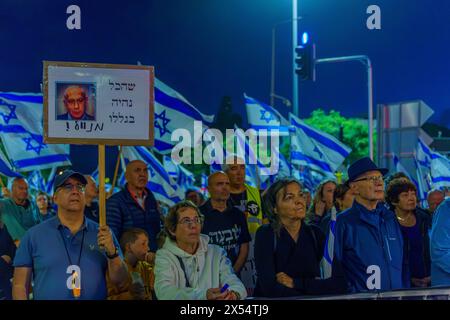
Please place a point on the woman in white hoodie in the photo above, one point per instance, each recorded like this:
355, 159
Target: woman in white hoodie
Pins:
187, 267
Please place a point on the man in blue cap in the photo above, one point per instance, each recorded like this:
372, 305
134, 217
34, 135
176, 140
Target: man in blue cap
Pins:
369, 243
69, 255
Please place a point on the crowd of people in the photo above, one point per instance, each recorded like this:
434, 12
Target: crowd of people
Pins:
367, 233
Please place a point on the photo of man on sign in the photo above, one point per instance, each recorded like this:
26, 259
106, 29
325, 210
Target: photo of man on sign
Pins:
75, 101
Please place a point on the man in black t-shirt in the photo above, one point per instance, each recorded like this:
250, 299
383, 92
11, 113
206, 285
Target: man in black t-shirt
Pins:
225, 225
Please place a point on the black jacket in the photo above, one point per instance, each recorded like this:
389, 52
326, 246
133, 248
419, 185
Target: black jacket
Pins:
7, 247
423, 220
300, 261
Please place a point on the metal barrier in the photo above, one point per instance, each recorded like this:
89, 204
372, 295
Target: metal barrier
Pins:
435, 293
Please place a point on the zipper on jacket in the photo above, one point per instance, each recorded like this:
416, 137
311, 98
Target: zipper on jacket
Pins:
383, 239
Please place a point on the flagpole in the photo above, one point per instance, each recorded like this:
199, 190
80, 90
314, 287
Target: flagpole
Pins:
116, 171
101, 182
295, 87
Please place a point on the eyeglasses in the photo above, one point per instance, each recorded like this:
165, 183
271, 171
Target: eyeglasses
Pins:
69, 187
187, 222
373, 179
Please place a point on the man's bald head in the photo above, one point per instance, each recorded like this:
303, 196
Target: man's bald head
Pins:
19, 190
219, 186
136, 174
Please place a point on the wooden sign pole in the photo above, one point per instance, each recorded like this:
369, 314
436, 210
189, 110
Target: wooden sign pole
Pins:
101, 183
116, 171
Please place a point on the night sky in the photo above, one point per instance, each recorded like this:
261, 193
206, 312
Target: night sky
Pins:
206, 49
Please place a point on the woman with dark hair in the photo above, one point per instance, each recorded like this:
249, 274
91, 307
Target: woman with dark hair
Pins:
288, 251
322, 203
342, 199
401, 195
44, 206
187, 267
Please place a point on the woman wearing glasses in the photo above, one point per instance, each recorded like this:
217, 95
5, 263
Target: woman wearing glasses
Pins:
288, 251
187, 267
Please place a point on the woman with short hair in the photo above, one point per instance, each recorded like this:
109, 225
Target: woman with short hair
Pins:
187, 267
401, 195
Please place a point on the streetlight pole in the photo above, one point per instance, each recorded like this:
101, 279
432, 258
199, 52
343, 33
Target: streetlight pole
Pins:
367, 63
272, 75
295, 86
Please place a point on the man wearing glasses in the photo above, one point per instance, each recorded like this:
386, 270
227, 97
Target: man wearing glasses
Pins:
369, 242
69, 255
75, 102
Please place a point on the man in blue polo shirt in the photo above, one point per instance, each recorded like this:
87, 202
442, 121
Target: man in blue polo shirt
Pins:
64, 255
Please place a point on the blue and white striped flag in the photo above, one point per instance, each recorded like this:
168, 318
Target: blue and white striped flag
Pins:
204, 184
94, 175
424, 154
51, 180
440, 171
437, 165
180, 176
316, 149
263, 116
159, 181
173, 111
22, 134
400, 168
328, 254
5, 166
36, 181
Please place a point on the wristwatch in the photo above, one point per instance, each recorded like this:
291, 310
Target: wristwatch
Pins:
116, 254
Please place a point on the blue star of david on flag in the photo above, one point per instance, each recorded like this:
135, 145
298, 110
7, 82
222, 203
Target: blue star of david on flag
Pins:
318, 152
152, 172
266, 116
162, 129
36, 148
12, 111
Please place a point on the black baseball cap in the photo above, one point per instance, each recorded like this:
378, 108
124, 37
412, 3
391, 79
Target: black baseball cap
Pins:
65, 175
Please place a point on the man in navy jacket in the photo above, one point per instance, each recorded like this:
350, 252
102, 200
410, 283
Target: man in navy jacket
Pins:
369, 241
135, 206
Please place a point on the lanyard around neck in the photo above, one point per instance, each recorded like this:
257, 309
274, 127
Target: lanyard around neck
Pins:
67, 250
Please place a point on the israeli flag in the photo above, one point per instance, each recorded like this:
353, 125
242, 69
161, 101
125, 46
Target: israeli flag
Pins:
316, 149
121, 181
159, 181
171, 169
437, 164
173, 111
51, 180
423, 183
36, 181
285, 167
440, 171
424, 154
400, 168
94, 175
328, 254
247, 151
263, 116
179, 175
204, 184
21, 133
5, 167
